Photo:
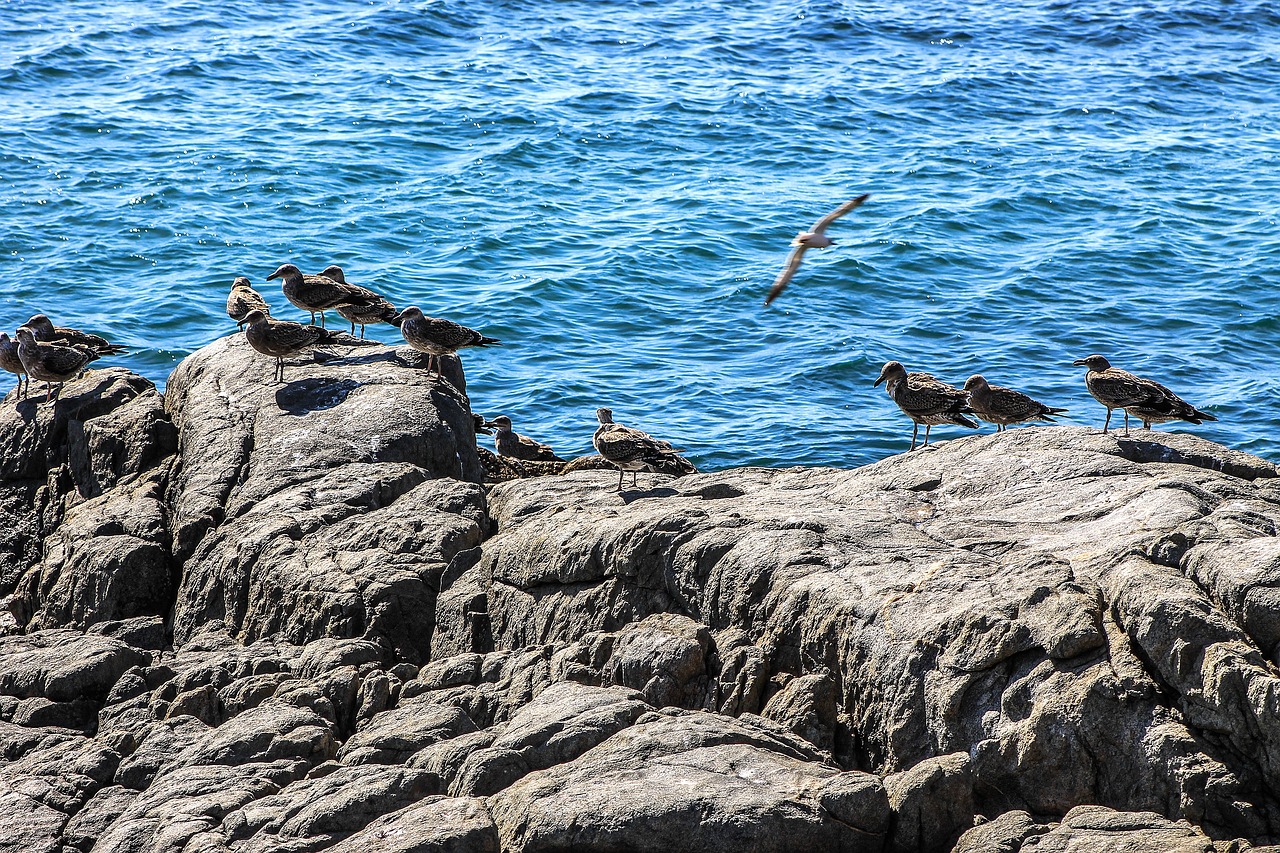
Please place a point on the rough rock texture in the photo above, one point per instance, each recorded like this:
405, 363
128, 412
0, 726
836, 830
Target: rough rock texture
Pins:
265, 617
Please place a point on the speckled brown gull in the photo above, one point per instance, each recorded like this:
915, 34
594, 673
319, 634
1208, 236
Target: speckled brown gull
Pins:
44, 330
629, 449
436, 336
510, 443
1003, 406
317, 294
376, 308
51, 363
12, 362
281, 338
242, 299
814, 238
925, 399
1145, 399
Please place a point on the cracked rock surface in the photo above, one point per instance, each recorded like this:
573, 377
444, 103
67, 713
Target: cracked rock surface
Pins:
256, 617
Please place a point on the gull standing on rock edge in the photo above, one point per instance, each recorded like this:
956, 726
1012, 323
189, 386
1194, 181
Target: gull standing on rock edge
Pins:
12, 362
51, 363
377, 308
280, 338
630, 449
925, 399
1002, 406
510, 443
44, 330
1143, 398
814, 238
317, 294
436, 336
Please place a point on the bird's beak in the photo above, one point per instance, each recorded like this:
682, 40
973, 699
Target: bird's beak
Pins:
1080, 362
878, 381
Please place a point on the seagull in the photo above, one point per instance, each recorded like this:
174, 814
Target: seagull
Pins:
814, 238
317, 294
1143, 398
11, 361
630, 449
44, 330
375, 310
510, 443
280, 338
925, 399
436, 336
51, 362
243, 299
1002, 406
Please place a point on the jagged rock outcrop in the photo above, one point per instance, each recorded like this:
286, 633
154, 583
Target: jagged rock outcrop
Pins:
257, 617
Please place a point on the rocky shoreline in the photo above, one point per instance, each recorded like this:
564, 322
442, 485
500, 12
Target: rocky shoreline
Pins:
256, 617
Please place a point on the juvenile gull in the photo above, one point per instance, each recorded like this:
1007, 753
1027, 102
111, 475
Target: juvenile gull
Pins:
50, 363
1145, 399
510, 443
280, 338
317, 294
1002, 406
11, 361
630, 449
436, 336
243, 299
925, 399
814, 238
44, 330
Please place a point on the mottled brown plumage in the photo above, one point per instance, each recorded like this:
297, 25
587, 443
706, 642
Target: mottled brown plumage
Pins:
510, 443
12, 362
1145, 399
436, 336
281, 338
44, 330
630, 449
242, 299
1003, 406
925, 399
51, 363
316, 294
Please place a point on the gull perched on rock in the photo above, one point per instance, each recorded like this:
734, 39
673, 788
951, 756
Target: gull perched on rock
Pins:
436, 336
630, 449
317, 294
1145, 399
44, 330
51, 362
377, 309
243, 299
280, 338
510, 443
11, 361
1002, 406
815, 238
925, 399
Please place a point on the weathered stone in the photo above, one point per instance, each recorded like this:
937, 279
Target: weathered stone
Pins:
696, 782
393, 736
63, 665
933, 802
433, 825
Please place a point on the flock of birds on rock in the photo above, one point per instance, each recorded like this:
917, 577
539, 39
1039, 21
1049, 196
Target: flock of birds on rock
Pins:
55, 354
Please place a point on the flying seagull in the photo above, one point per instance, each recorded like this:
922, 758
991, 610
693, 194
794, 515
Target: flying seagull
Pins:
814, 238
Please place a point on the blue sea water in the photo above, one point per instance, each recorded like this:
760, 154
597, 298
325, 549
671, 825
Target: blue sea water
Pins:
609, 186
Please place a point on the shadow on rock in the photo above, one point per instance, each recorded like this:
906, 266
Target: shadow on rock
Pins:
304, 396
629, 495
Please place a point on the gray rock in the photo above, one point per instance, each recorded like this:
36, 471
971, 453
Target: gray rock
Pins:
563, 722
307, 510
695, 782
64, 665
933, 802
29, 825
102, 810
1095, 829
393, 736
1005, 834
433, 825
1024, 598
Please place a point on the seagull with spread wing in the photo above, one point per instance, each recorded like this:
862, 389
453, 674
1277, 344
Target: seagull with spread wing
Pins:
814, 238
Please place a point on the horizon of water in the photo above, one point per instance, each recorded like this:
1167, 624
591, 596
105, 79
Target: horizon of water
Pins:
610, 187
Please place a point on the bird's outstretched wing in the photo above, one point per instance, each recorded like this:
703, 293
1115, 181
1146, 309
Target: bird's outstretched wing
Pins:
784, 277
823, 223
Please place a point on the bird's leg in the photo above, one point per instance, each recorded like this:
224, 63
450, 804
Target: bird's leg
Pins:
322, 319
915, 430
619, 479
353, 328
1106, 423
313, 318
634, 474
1126, 423
927, 427
48, 391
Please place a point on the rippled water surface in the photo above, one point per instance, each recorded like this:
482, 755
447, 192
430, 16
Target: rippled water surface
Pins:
609, 187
